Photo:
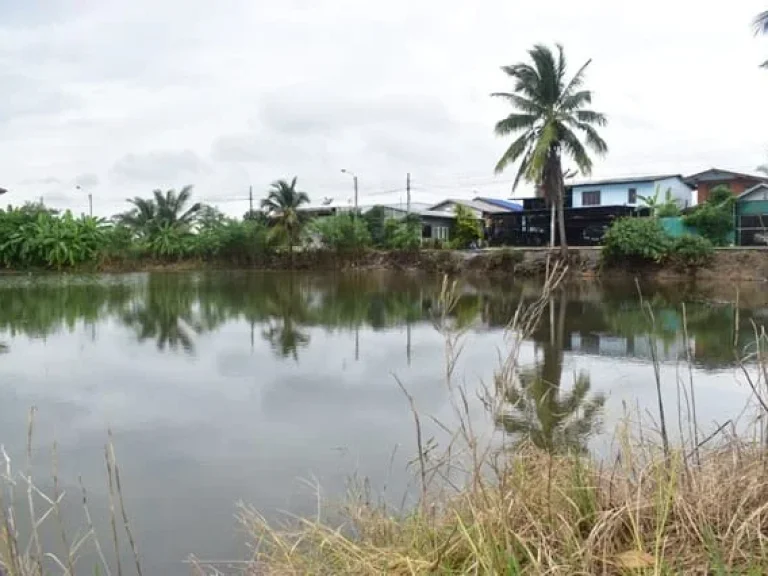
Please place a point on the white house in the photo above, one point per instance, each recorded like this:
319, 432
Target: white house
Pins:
628, 191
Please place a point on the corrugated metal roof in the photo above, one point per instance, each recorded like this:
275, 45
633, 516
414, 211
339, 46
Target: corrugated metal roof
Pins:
626, 180
507, 204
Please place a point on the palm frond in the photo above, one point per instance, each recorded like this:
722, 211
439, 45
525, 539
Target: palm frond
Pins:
544, 61
576, 150
515, 123
760, 23
527, 79
578, 79
515, 150
591, 117
576, 100
520, 102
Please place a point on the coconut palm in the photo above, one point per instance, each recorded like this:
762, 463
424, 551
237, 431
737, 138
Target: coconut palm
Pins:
282, 207
550, 112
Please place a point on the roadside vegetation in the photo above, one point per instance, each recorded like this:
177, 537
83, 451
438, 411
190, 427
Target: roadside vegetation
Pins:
169, 227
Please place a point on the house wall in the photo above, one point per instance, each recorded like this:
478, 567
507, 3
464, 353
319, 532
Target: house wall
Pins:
737, 186
618, 194
681, 192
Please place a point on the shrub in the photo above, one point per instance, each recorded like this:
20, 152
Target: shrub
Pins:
375, 220
714, 218
403, 234
342, 232
466, 229
636, 239
691, 250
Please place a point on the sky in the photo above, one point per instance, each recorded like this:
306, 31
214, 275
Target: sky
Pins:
120, 98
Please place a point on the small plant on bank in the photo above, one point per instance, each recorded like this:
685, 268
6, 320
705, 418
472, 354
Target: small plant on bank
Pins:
636, 239
691, 250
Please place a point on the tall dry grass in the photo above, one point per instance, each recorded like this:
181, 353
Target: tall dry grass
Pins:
25, 509
696, 505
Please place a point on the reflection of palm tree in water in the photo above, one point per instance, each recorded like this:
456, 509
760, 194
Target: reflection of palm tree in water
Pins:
167, 313
287, 308
539, 411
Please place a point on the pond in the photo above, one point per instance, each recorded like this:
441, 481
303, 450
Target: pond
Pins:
227, 387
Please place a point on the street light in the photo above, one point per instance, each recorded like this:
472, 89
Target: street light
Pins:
90, 201
354, 178
3, 191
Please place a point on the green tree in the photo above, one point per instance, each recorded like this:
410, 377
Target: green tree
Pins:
342, 232
714, 218
466, 228
282, 208
550, 111
375, 219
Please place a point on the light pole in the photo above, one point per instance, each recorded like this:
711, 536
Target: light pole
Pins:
90, 201
354, 179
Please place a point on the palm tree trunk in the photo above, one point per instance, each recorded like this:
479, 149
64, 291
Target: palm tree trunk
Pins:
561, 218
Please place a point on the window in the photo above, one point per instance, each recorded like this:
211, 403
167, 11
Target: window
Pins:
591, 198
632, 196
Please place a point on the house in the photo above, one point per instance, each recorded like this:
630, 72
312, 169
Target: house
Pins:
439, 218
628, 191
480, 208
752, 216
704, 182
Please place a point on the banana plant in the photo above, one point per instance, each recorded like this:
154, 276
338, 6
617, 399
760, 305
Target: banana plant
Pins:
660, 208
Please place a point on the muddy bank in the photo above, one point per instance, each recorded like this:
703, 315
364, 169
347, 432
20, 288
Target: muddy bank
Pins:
727, 265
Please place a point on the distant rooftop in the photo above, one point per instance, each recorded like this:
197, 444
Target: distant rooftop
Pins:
624, 180
506, 204
717, 173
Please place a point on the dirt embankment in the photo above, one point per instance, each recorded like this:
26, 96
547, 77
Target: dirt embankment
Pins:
727, 264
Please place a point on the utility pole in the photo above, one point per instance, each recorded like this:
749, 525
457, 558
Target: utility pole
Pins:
250, 202
355, 179
90, 204
408, 193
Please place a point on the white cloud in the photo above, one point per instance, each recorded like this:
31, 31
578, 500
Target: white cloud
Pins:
143, 95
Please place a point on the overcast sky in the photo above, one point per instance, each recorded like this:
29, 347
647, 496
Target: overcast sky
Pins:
124, 97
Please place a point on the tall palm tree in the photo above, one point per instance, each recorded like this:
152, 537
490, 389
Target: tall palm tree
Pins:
550, 111
282, 207
171, 207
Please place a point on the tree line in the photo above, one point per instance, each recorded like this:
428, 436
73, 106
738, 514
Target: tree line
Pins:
170, 226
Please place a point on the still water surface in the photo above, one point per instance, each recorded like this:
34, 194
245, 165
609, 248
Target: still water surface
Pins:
232, 386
